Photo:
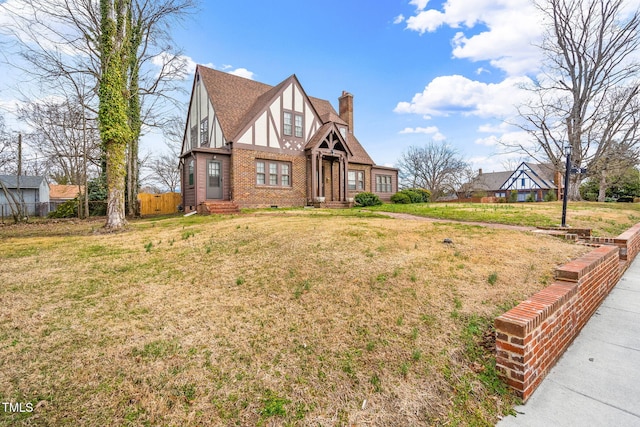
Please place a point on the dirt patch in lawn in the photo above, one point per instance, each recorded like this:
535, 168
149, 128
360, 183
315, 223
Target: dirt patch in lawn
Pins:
291, 319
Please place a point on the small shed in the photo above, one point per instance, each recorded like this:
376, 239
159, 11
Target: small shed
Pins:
59, 194
33, 194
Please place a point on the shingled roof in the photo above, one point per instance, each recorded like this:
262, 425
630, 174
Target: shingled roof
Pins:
237, 101
232, 97
11, 181
541, 173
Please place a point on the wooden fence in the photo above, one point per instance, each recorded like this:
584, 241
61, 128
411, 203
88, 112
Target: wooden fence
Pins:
159, 204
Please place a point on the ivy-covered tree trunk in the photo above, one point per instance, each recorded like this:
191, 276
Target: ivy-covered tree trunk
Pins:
113, 121
135, 32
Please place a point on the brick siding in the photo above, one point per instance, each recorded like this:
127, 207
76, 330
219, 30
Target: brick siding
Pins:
247, 194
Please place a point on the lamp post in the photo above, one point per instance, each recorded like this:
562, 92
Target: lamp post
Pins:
567, 153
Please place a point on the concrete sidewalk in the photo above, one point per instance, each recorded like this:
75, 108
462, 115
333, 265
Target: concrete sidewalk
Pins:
597, 381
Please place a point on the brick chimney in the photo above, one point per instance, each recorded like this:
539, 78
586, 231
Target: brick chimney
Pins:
480, 171
346, 109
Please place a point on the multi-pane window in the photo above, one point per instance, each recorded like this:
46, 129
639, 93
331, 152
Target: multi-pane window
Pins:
298, 126
190, 171
204, 132
260, 175
383, 184
287, 123
292, 125
355, 180
273, 173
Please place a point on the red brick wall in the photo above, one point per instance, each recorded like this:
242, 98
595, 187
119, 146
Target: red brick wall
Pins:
531, 337
247, 194
629, 243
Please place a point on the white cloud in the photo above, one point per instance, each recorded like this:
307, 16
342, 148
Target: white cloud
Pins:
427, 130
428, 20
243, 72
190, 66
509, 41
399, 19
419, 4
447, 95
431, 130
46, 25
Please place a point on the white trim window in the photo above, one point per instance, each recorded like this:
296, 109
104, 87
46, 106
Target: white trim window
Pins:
260, 176
355, 180
292, 124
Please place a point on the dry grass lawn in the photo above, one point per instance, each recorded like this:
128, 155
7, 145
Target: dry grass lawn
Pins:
308, 319
605, 219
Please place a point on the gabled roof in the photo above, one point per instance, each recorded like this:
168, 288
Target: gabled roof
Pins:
323, 132
232, 97
545, 172
11, 181
359, 154
541, 173
237, 101
490, 181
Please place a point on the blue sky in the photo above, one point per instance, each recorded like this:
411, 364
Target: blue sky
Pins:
448, 71
386, 54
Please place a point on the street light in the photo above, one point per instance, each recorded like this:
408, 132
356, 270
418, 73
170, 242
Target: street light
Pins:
567, 153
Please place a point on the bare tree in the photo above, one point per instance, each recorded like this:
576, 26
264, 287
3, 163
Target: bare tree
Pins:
7, 154
64, 138
62, 41
164, 172
435, 167
587, 92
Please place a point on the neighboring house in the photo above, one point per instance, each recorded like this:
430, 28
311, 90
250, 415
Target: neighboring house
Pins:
59, 194
33, 194
528, 180
259, 146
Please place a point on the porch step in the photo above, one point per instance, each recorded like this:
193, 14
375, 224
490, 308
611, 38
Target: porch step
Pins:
333, 205
221, 207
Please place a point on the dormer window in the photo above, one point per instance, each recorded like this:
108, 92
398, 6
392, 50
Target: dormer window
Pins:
292, 125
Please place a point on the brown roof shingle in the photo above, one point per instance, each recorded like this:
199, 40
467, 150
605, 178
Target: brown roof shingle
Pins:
237, 101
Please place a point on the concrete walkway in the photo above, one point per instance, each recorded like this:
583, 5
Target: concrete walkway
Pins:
597, 381
406, 216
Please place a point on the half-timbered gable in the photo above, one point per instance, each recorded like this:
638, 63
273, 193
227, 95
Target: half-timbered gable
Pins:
258, 145
530, 181
203, 128
283, 118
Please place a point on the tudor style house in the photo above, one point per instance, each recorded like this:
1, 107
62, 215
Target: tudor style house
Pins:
529, 180
253, 145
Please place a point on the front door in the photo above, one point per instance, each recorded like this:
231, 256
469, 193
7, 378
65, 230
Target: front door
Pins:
214, 179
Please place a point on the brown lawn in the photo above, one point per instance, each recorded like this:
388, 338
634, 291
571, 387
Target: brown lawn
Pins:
286, 319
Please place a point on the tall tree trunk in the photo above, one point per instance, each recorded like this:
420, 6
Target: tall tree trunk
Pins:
112, 113
602, 187
133, 174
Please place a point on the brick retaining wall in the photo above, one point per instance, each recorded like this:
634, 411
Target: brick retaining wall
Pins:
532, 336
